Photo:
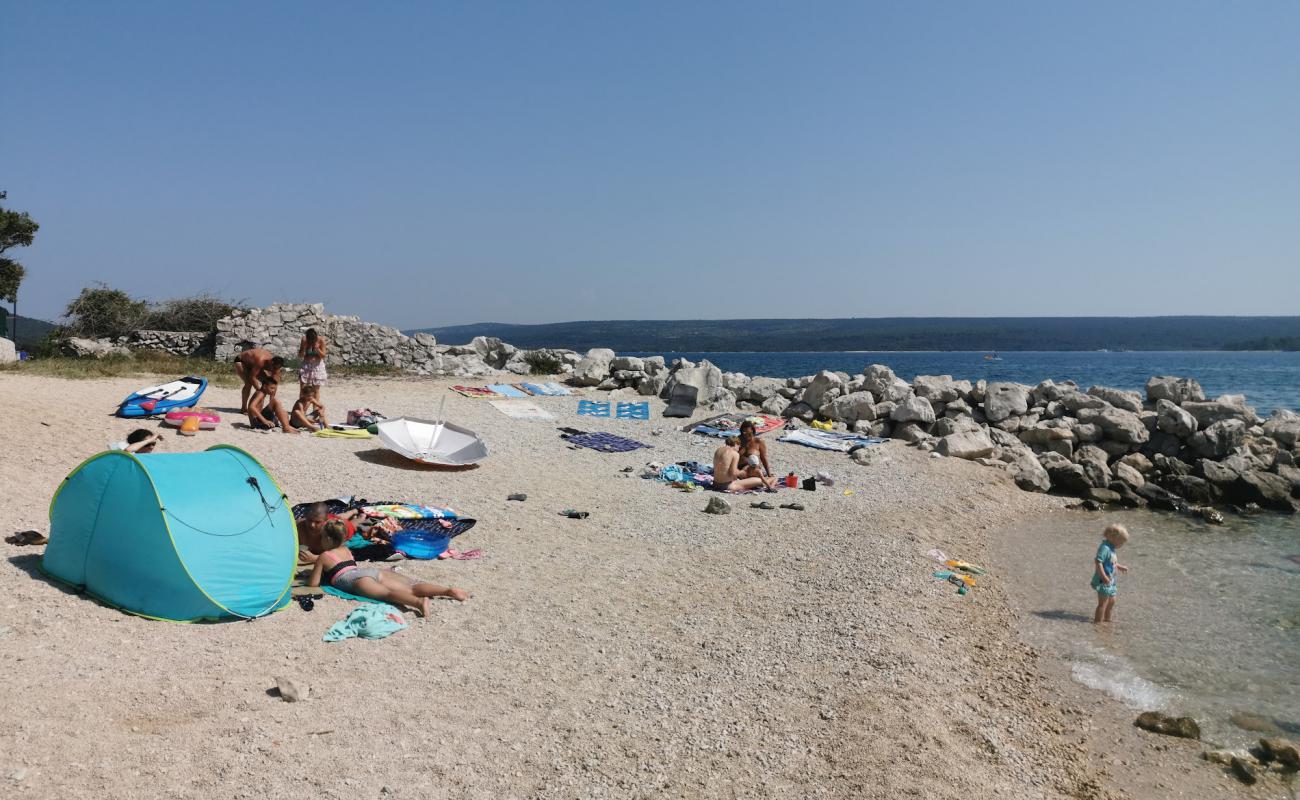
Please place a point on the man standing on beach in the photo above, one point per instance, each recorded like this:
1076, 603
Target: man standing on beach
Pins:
249, 366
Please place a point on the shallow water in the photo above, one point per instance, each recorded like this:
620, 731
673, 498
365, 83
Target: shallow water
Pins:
1207, 622
1269, 380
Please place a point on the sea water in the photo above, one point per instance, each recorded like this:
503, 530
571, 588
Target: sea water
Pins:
1207, 621
1269, 380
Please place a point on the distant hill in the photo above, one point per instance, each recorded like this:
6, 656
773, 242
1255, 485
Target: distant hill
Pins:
30, 331
891, 333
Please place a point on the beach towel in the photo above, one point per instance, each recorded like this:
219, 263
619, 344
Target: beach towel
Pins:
506, 390
605, 442
725, 425
474, 391
591, 408
516, 409
353, 433
409, 511
346, 596
551, 389
373, 621
633, 411
829, 440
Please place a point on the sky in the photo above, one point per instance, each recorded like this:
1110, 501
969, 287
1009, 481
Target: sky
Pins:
426, 164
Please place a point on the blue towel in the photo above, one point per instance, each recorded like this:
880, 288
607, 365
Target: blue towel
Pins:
368, 622
590, 408
633, 411
605, 442
506, 389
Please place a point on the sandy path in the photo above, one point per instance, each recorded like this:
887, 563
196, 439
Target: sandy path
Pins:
648, 651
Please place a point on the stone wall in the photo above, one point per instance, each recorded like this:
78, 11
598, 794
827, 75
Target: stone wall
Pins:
279, 328
180, 343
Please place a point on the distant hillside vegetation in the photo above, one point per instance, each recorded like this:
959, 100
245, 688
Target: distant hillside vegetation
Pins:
30, 331
897, 333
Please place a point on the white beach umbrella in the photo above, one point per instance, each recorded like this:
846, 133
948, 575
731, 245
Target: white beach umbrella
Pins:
432, 442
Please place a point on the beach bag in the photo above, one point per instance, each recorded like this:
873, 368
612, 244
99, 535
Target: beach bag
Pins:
364, 417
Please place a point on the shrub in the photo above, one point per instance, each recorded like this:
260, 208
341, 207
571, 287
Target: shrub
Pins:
100, 312
543, 362
199, 313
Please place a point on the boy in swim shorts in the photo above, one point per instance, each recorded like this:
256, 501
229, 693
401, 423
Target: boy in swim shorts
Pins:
1104, 567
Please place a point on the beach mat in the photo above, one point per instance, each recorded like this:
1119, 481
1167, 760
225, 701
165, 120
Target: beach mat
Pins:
632, 411
592, 408
474, 391
725, 425
521, 409
506, 390
829, 440
605, 442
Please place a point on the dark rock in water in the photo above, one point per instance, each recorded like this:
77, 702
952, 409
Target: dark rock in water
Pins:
1160, 498
1210, 515
1194, 489
1103, 496
1252, 722
1283, 751
1090, 505
1244, 771
1248, 510
1169, 465
1128, 497
1265, 488
1156, 722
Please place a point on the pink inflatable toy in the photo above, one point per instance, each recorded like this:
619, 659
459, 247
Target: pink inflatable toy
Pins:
207, 419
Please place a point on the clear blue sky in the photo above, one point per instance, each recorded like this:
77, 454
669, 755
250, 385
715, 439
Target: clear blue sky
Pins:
425, 164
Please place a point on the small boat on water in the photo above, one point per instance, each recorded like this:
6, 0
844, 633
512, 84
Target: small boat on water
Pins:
992, 357
439, 443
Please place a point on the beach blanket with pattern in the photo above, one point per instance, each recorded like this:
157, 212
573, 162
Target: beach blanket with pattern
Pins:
592, 408
725, 425
829, 440
410, 516
475, 391
550, 389
605, 442
632, 411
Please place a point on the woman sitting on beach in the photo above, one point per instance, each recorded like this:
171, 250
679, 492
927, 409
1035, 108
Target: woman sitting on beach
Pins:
312, 352
308, 411
727, 475
337, 567
753, 453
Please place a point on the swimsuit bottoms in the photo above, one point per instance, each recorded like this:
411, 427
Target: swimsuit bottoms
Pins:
347, 579
258, 425
722, 487
1101, 588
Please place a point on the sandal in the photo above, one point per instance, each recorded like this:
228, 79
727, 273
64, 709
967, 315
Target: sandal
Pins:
793, 506
27, 537
766, 506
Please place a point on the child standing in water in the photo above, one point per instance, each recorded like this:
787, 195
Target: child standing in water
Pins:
1104, 568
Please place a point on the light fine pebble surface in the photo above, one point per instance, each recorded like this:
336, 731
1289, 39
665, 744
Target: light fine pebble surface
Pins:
650, 650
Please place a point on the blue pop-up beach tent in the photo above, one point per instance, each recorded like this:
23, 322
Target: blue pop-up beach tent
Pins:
175, 536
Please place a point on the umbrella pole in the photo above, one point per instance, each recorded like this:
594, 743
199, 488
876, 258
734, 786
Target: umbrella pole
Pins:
437, 430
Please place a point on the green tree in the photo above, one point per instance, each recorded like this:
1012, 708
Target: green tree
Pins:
17, 229
103, 312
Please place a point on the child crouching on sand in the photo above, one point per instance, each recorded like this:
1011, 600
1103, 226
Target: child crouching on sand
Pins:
336, 567
1104, 568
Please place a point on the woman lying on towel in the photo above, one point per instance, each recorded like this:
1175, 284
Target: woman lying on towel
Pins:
336, 567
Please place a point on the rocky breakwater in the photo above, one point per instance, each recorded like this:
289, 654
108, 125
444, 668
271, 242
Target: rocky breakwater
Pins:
1169, 448
352, 341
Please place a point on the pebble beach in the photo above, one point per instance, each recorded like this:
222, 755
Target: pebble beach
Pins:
649, 650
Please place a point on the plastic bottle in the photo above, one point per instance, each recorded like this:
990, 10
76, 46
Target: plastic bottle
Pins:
791, 480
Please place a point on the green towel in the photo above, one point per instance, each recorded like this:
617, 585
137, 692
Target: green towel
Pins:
330, 433
346, 596
367, 622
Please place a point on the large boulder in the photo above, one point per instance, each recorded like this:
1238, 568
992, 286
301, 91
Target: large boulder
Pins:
627, 363
969, 445
1265, 488
936, 388
913, 409
1118, 425
884, 385
1219, 439
594, 367
759, 389
1065, 474
707, 380
1128, 475
1211, 411
1283, 427
774, 405
77, 347
8, 352
1074, 402
1129, 401
1175, 390
1172, 419
1197, 490
1050, 391
1003, 400
820, 386
852, 407
1028, 473
951, 425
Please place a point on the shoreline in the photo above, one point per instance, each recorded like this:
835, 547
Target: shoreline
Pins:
650, 650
